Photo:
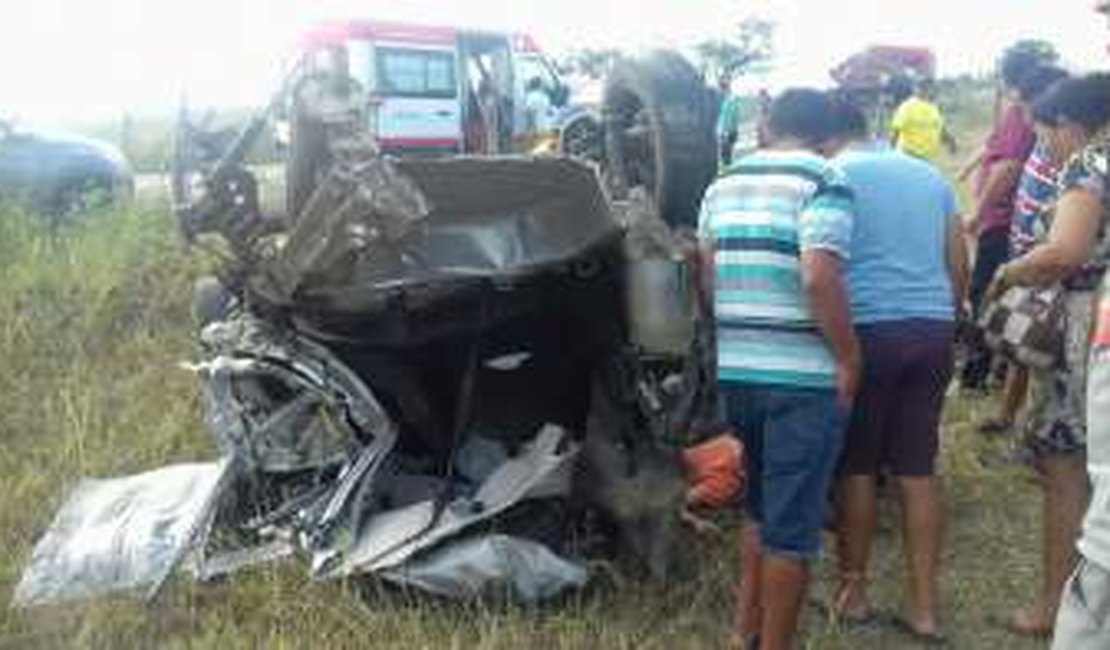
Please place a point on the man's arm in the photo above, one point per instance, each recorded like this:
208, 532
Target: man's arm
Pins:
823, 285
971, 164
1001, 181
949, 140
956, 260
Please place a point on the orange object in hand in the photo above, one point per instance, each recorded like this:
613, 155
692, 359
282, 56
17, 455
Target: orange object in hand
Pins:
714, 471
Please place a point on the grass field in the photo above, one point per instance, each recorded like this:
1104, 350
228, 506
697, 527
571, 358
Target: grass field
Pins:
93, 323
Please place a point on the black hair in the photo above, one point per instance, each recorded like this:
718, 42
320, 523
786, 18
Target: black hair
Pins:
802, 113
1081, 100
847, 119
926, 86
1035, 82
1022, 57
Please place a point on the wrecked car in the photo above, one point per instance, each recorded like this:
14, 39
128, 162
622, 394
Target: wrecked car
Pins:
461, 375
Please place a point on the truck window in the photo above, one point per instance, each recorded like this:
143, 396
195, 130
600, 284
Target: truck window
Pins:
530, 66
404, 72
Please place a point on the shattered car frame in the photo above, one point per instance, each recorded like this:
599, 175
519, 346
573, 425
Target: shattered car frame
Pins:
425, 371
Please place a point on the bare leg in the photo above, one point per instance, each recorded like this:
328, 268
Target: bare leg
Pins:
784, 586
748, 613
922, 536
1013, 396
855, 535
1065, 500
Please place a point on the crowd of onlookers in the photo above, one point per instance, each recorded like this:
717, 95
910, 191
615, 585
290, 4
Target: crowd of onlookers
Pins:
839, 269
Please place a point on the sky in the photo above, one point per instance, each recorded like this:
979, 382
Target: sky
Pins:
66, 60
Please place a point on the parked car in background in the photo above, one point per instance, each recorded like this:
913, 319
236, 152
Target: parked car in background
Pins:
60, 174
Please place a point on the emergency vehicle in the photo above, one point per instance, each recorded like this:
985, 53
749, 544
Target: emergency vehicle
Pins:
444, 90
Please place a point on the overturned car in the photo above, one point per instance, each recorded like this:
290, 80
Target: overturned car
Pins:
459, 375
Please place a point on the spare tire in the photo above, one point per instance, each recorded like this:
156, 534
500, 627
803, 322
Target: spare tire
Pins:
659, 133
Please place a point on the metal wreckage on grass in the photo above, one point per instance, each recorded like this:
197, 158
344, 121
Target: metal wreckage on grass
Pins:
464, 375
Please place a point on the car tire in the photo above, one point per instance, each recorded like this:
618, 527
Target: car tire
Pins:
582, 138
77, 195
659, 133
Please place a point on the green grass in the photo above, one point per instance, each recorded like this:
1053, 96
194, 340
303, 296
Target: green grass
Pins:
93, 322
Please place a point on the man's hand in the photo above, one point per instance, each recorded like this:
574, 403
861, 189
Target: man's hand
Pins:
824, 289
848, 376
970, 165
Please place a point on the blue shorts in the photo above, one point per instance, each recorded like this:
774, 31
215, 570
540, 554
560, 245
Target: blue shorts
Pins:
792, 439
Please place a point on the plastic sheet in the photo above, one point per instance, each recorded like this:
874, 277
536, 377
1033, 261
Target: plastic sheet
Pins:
525, 570
122, 533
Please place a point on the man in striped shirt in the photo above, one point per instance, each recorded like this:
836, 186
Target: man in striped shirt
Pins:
776, 228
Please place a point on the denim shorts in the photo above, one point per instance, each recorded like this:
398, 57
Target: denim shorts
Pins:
792, 439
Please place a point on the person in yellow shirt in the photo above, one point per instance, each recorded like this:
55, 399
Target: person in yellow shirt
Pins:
917, 127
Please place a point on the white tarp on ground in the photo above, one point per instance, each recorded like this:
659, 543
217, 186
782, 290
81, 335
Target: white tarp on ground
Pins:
121, 533
492, 565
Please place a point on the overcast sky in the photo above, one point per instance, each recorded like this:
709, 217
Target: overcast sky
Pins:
62, 60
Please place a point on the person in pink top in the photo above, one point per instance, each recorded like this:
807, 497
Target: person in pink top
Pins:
1000, 165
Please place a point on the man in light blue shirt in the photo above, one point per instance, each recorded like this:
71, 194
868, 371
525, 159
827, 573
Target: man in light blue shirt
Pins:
907, 274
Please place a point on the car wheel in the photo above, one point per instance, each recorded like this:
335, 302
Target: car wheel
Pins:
582, 139
659, 133
77, 196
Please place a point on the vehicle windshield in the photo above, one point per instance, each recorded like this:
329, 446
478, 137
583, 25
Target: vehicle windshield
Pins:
532, 66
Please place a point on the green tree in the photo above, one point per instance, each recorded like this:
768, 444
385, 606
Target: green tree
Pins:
592, 63
751, 42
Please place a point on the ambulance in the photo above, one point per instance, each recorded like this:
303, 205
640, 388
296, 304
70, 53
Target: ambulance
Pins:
442, 90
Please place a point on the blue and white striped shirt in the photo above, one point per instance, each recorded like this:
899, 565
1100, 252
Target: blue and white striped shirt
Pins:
759, 217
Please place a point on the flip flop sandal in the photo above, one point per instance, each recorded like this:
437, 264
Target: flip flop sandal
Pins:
867, 620
926, 638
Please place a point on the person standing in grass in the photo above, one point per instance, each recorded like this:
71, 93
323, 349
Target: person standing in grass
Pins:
1072, 252
1004, 155
1083, 618
776, 231
917, 127
907, 280
1036, 191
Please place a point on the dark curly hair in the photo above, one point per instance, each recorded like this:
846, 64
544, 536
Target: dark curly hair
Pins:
1035, 82
1023, 57
1082, 100
802, 113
